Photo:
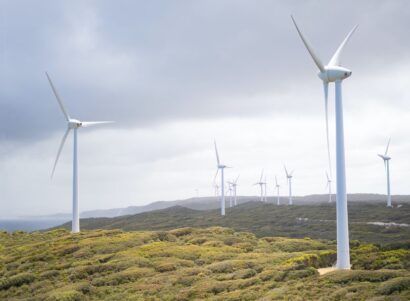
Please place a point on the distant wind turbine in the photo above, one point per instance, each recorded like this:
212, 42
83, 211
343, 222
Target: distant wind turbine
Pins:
216, 189
386, 160
221, 167
260, 183
277, 190
329, 186
72, 124
289, 176
266, 188
230, 188
333, 72
234, 184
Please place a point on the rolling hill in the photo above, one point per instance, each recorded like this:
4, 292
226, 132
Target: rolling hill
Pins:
193, 264
264, 219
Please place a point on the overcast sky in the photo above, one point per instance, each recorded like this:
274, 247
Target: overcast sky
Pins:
174, 75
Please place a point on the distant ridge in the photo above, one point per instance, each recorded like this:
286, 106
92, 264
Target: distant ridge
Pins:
209, 203
264, 219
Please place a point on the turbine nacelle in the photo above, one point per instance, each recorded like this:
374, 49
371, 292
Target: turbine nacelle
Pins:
385, 158
334, 73
74, 123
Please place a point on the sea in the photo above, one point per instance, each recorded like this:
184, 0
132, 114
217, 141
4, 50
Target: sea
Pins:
29, 225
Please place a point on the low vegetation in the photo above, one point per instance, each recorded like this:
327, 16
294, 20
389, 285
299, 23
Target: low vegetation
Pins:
194, 264
299, 221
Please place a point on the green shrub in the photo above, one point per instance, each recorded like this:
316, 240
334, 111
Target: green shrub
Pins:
69, 295
371, 276
165, 267
17, 280
181, 231
49, 274
394, 285
126, 276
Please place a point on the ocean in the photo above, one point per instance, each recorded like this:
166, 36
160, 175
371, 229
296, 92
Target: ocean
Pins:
29, 225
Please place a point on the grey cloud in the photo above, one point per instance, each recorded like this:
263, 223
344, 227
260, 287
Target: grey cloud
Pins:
142, 62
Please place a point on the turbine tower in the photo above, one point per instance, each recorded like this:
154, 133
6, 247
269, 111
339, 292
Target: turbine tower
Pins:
333, 72
260, 183
72, 124
234, 185
277, 190
386, 160
329, 187
221, 167
289, 176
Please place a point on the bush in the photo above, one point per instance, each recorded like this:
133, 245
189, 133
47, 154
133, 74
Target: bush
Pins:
17, 280
126, 276
371, 276
49, 274
181, 231
394, 285
70, 295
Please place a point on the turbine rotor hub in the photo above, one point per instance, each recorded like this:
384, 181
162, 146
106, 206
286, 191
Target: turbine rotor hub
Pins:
74, 123
334, 73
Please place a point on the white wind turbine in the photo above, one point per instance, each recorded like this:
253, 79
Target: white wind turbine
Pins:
234, 184
386, 160
333, 72
329, 186
230, 188
289, 176
277, 190
221, 167
260, 183
72, 124
266, 189
216, 189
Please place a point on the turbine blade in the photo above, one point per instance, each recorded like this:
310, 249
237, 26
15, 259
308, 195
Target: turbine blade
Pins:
260, 180
276, 181
335, 60
92, 123
287, 174
326, 89
217, 170
327, 177
67, 116
216, 152
315, 58
381, 156
387, 148
60, 149
236, 180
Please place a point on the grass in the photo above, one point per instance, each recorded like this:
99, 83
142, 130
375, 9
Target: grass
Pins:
214, 263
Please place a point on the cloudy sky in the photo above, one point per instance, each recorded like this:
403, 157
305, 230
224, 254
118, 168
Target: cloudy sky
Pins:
174, 75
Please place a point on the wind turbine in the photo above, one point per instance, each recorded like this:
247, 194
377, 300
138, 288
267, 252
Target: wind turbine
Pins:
216, 187
289, 177
386, 160
260, 183
277, 190
234, 185
72, 124
329, 187
265, 196
333, 72
230, 194
221, 167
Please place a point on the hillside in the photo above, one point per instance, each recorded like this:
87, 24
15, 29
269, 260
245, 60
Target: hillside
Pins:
193, 264
208, 203
315, 221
